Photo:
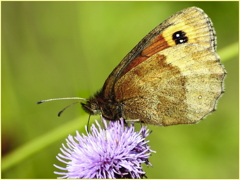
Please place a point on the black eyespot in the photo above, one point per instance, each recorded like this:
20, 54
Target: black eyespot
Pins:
179, 37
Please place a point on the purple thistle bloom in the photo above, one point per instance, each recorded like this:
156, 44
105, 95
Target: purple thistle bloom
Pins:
112, 152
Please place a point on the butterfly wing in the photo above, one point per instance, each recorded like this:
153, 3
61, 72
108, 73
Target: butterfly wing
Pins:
172, 76
192, 21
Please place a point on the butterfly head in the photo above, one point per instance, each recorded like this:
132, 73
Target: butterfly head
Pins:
91, 107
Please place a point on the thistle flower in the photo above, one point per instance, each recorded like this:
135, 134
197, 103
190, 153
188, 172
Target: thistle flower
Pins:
110, 152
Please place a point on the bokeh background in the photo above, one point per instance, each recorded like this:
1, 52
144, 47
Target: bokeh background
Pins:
61, 49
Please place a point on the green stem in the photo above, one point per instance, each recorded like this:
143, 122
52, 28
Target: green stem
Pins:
37, 144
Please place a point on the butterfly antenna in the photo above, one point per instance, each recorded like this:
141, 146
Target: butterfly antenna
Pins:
59, 114
42, 101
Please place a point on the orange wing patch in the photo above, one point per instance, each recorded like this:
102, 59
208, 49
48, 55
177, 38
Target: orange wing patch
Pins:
156, 45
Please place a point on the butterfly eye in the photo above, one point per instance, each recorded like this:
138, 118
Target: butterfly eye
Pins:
179, 37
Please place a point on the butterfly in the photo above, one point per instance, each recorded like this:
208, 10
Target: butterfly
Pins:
172, 76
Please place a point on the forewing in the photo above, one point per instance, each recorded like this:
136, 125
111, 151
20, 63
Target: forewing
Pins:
193, 21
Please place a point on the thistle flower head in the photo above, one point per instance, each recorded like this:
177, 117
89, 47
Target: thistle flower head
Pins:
110, 152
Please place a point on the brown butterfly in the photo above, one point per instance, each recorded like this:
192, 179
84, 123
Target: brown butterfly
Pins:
172, 76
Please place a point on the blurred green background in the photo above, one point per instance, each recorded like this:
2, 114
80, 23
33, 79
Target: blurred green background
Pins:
61, 49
